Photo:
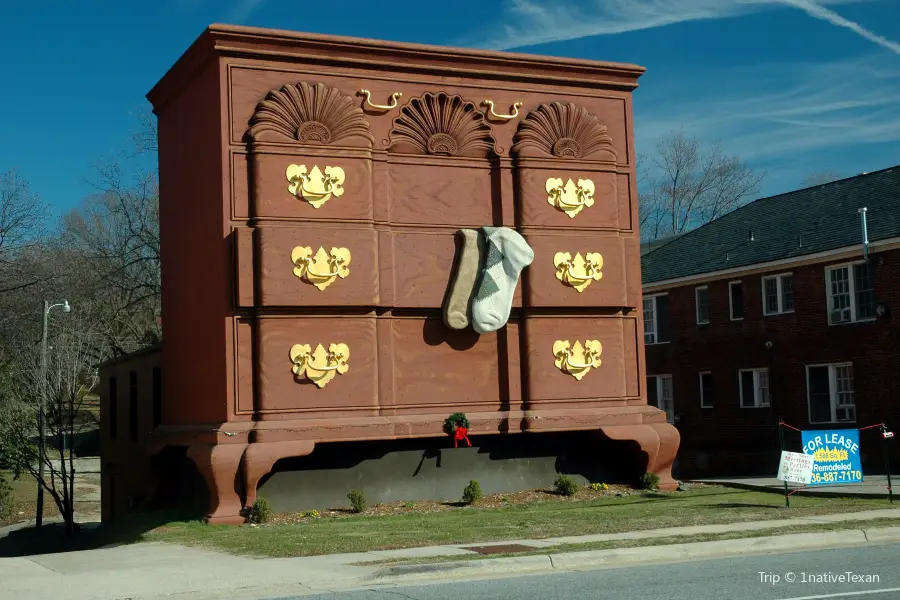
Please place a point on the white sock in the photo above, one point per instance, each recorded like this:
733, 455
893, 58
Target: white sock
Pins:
506, 254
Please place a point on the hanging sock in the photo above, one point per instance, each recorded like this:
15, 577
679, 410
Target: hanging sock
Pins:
456, 305
507, 254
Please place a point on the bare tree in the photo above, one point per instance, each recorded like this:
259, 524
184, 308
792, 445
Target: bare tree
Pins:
144, 139
22, 218
687, 186
116, 230
821, 178
59, 393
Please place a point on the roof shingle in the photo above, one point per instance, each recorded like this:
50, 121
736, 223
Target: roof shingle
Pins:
794, 224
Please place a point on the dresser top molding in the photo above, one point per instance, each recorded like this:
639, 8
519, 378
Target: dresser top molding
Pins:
308, 48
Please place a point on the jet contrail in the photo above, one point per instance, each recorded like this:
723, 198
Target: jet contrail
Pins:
820, 12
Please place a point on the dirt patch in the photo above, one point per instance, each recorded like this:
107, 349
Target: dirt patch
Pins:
523, 497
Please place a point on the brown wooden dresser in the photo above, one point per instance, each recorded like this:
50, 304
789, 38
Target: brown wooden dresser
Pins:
311, 187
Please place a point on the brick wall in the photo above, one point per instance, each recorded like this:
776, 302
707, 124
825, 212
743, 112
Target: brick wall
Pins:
128, 384
730, 440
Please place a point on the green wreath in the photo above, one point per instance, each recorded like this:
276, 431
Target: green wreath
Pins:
456, 420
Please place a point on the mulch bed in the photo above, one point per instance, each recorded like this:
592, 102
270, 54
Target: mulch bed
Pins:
584, 494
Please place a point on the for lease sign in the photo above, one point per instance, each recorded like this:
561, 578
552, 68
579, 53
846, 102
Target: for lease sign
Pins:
835, 455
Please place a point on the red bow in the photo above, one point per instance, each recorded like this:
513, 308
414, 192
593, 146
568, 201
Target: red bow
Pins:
460, 434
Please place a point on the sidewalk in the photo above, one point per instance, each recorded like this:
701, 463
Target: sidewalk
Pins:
149, 571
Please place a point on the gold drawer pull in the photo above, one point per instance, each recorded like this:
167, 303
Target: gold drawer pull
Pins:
515, 110
314, 186
322, 268
320, 365
570, 198
580, 271
391, 106
575, 359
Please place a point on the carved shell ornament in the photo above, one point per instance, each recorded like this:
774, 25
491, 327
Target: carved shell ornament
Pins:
443, 125
309, 114
564, 131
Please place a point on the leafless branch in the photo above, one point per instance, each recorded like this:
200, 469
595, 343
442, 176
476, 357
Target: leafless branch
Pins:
685, 186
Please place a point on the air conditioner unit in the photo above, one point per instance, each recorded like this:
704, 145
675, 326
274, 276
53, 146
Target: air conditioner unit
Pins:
841, 315
846, 413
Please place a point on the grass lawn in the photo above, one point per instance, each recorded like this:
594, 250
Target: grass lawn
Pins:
536, 520
24, 500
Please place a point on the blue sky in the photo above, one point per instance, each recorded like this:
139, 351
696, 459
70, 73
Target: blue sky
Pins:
791, 86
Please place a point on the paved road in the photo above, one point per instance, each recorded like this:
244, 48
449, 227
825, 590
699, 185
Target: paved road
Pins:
744, 578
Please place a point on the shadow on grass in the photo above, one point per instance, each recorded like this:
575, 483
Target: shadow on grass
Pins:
740, 505
51, 538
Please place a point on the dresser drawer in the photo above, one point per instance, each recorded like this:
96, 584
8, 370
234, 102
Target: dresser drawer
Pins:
394, 365
308, 266
317, 185
420, 264
570, 196
580, 271
317, 385
441, 191
615, 378
435, 369
402, 268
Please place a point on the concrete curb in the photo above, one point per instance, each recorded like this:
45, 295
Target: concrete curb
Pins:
594, 559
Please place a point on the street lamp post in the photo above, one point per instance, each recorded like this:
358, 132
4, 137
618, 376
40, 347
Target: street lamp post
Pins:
39, 517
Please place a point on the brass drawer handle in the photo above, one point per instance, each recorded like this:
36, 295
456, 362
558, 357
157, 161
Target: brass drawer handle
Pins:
313, 185
320, 365
515, 110
570, 198
394, 97
580, 271
575, 359
320, 269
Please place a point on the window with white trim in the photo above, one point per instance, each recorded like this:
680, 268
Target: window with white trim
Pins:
736, 300
829, 393
706, 393
660, 394
753, 386
701, 297
656, 319
851, 293
778, 294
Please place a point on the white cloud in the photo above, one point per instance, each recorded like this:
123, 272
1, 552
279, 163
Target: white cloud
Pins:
242, 9
818, 11
787, 117
534, 22
807, 113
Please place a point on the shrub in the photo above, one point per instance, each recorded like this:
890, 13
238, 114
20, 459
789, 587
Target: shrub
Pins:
599, 487
310, 514
357, 500
649, 481
259, 512
565, 485
5, 497
472, 493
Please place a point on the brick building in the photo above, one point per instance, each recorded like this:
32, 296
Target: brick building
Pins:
774, 311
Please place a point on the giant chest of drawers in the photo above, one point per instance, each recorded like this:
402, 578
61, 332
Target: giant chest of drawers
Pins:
347, 166
330, 176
